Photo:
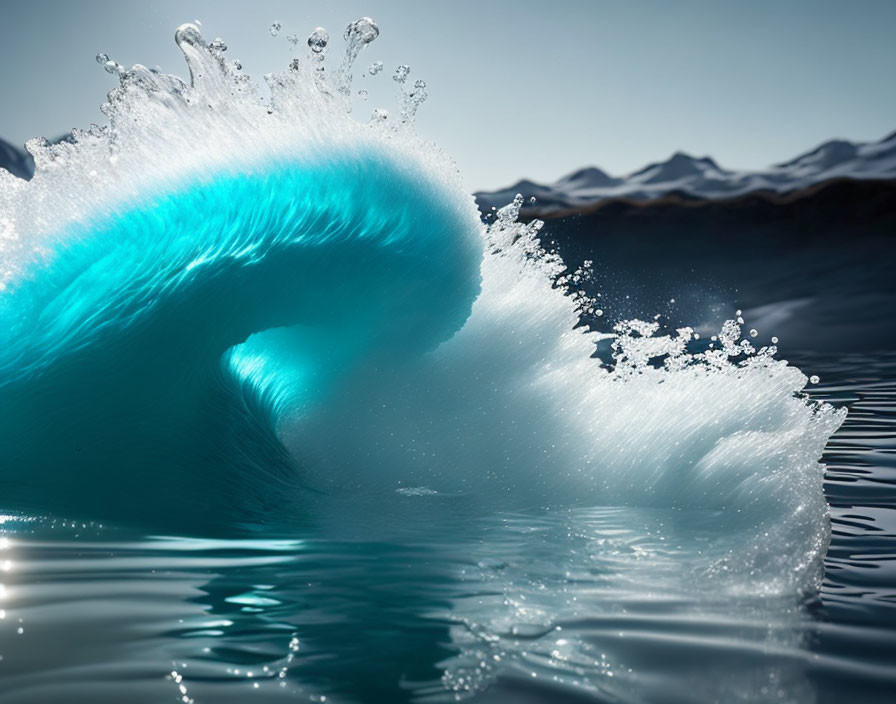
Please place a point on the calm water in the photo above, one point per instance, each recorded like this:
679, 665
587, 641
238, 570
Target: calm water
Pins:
430, 598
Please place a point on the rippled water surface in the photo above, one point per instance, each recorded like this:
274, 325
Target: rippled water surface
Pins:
426, 597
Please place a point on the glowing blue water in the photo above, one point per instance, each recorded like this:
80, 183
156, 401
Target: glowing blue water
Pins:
176, 333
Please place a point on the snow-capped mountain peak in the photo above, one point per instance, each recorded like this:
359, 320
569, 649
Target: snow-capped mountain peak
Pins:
676, 167
828, 155
589, 177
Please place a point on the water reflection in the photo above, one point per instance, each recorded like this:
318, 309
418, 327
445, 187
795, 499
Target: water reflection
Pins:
574, 605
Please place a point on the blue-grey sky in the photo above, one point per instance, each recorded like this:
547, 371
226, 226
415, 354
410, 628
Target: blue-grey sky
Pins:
517, 88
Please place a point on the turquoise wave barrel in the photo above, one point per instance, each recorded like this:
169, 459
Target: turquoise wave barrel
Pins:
152, 351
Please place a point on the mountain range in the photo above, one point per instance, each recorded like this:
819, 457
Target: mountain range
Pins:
701, 178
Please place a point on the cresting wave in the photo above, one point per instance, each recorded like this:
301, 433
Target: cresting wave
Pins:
165, 310
224, 302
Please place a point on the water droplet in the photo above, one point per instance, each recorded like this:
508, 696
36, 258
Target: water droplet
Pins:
275, 29
774, 340
419, 85
293, 39
318, 40
598, 313
375, 68
357, 35
380, 115
753, 332
401, 73
218, 45
814, 379
362, 94
363, 30
109, 65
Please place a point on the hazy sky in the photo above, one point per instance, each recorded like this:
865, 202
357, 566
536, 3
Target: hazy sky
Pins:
517, 88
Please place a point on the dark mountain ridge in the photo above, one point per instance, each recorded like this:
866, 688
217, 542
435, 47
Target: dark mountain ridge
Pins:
703, 177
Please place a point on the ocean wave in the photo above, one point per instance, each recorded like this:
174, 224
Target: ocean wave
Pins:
218, 305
